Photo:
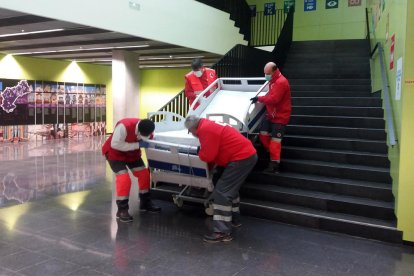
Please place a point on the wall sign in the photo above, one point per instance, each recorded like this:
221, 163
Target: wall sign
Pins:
288, 5
269, 9
354, 3
253, 10
398, 79
310, 5
331, 4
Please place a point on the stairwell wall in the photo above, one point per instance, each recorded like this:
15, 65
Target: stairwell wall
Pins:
343, 22
388, 19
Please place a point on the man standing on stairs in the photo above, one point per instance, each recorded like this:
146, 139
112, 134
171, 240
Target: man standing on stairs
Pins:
198, 79
278, 107
123, 151
223, 146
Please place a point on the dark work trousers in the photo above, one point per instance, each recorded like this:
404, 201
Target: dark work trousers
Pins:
225, 197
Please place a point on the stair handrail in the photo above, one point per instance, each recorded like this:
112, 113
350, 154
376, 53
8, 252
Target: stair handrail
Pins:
385, 88
284, 40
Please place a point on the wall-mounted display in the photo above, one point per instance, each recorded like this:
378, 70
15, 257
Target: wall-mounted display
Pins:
50, 110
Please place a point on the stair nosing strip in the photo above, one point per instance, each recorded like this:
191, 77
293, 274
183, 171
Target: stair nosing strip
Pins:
319, 216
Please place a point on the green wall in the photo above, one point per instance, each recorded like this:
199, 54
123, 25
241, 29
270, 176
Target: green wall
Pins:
158, 86
324, 24
396, 18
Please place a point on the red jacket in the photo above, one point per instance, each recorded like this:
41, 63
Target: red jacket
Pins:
277, 100
126, 156
194, 83
222, 144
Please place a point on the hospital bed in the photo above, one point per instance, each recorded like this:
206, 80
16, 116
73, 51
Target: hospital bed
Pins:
172, 154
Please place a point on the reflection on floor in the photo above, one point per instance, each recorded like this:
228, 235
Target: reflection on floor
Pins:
34, 170
76, 234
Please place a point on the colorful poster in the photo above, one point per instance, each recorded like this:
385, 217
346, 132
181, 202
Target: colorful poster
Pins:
309, 5
331, 4
288, 5
269, 9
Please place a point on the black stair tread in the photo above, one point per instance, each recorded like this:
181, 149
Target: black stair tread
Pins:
338, 117
344, 181
334, 138
386, 224
320, 195
356, 98
337, 165
368, 154
335, 127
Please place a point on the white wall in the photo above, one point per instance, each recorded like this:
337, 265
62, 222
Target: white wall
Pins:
185, 23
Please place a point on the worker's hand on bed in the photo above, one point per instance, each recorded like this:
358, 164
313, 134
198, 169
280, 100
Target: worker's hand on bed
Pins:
143, 144
254, 99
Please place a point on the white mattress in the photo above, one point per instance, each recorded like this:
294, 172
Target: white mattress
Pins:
177, 137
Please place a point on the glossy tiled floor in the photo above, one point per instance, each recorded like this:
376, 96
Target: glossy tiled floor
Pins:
68, 228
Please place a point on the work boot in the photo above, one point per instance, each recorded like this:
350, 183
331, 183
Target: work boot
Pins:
146, 204
273, 168
122, 213
216, 237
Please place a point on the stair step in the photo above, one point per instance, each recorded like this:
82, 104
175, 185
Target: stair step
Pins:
338, 101
348, 224
337, 132
331, 169
319, 94
339, 156
317, 81
297, 57
330, 75
327, 67
374, 146
320, 201
341, 186
330, 87
338, 111
342, 121
342, 45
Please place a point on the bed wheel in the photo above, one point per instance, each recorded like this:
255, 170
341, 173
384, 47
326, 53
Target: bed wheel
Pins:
178, 201
209, 210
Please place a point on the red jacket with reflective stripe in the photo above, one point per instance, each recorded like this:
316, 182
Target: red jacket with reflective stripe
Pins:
194, 83
126, 156
222, 144
277, 100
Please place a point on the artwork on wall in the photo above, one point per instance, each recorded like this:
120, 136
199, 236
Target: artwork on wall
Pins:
354, 3
331, 4
50, 110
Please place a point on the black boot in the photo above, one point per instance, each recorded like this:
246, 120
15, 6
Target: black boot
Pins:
122, 213
146, 204
273, 168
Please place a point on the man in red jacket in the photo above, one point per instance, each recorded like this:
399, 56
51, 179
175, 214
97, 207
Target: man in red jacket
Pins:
198, 79
223, 146
123, 151
278, 107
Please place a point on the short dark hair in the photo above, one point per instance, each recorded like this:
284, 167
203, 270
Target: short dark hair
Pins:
146, 127
196, 64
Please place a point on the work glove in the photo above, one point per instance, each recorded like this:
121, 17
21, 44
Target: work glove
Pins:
198, 149
254, 99
143, 144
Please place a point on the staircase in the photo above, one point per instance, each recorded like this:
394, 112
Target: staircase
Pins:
335, 170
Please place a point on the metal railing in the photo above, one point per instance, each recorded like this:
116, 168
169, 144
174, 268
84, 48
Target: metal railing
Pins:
386, 94
265, 29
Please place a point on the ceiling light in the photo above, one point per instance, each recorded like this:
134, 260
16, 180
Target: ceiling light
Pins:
161, 58
34, 32
82, 49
